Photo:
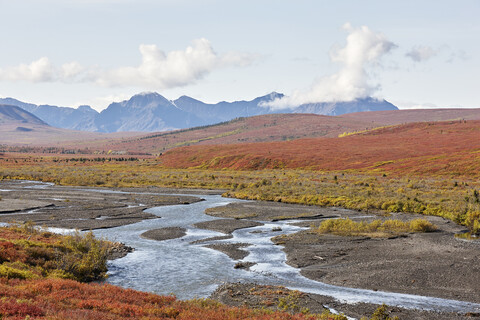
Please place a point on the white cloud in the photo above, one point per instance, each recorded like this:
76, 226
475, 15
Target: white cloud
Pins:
157, 70
40, 70
364, 48
70, 71
421, 53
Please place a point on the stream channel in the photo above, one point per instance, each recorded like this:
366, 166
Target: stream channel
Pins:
192, 271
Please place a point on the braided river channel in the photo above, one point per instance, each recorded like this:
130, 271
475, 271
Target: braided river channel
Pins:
189, 270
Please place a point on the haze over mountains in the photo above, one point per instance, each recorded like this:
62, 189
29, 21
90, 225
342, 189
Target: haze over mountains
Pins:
149, 112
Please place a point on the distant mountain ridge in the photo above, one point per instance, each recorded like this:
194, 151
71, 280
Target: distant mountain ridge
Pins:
150, 111
9, 114
339, 108
81, 118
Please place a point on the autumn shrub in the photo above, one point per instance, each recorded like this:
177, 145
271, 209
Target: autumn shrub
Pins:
16, 271
83, 256
421, 225
348, 227
472, 220
27, 253
381, 313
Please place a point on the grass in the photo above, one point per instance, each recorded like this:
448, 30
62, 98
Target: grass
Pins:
456, 198
376, 228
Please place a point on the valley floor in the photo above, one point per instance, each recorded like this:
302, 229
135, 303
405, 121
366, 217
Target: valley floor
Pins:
430, 264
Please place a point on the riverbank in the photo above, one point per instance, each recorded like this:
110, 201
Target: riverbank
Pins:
430, 264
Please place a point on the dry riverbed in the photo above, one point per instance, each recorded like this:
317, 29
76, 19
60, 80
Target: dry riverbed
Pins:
78, 208
280, 298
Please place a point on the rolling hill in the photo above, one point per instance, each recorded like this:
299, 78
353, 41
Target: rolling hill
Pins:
390, 117
420, 147
282, 127
272, 127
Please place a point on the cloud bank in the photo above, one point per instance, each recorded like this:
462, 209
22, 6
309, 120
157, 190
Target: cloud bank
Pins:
363, 48
158, 70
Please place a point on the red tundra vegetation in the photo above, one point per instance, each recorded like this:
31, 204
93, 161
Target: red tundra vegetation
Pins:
416, 148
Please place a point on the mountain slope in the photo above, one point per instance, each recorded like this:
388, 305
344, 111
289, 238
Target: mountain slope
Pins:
339, 108
144, 112
13, 114
60, 117
225, 111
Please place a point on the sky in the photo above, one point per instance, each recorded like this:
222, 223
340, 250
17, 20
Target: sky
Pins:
415, 54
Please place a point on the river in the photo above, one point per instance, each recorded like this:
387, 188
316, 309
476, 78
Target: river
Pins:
192, 271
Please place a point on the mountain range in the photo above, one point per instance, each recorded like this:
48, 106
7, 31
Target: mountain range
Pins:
149, 112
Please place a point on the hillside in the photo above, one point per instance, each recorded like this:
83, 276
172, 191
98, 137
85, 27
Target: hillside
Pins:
282, 127
15, 115
412, 148
389, 117
273, 127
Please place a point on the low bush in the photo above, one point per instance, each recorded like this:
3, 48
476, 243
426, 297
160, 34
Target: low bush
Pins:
376, 228
27, 253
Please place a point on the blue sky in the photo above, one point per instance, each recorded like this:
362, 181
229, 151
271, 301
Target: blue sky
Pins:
72, 52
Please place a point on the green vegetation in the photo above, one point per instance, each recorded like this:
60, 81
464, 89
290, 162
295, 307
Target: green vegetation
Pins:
376, 228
